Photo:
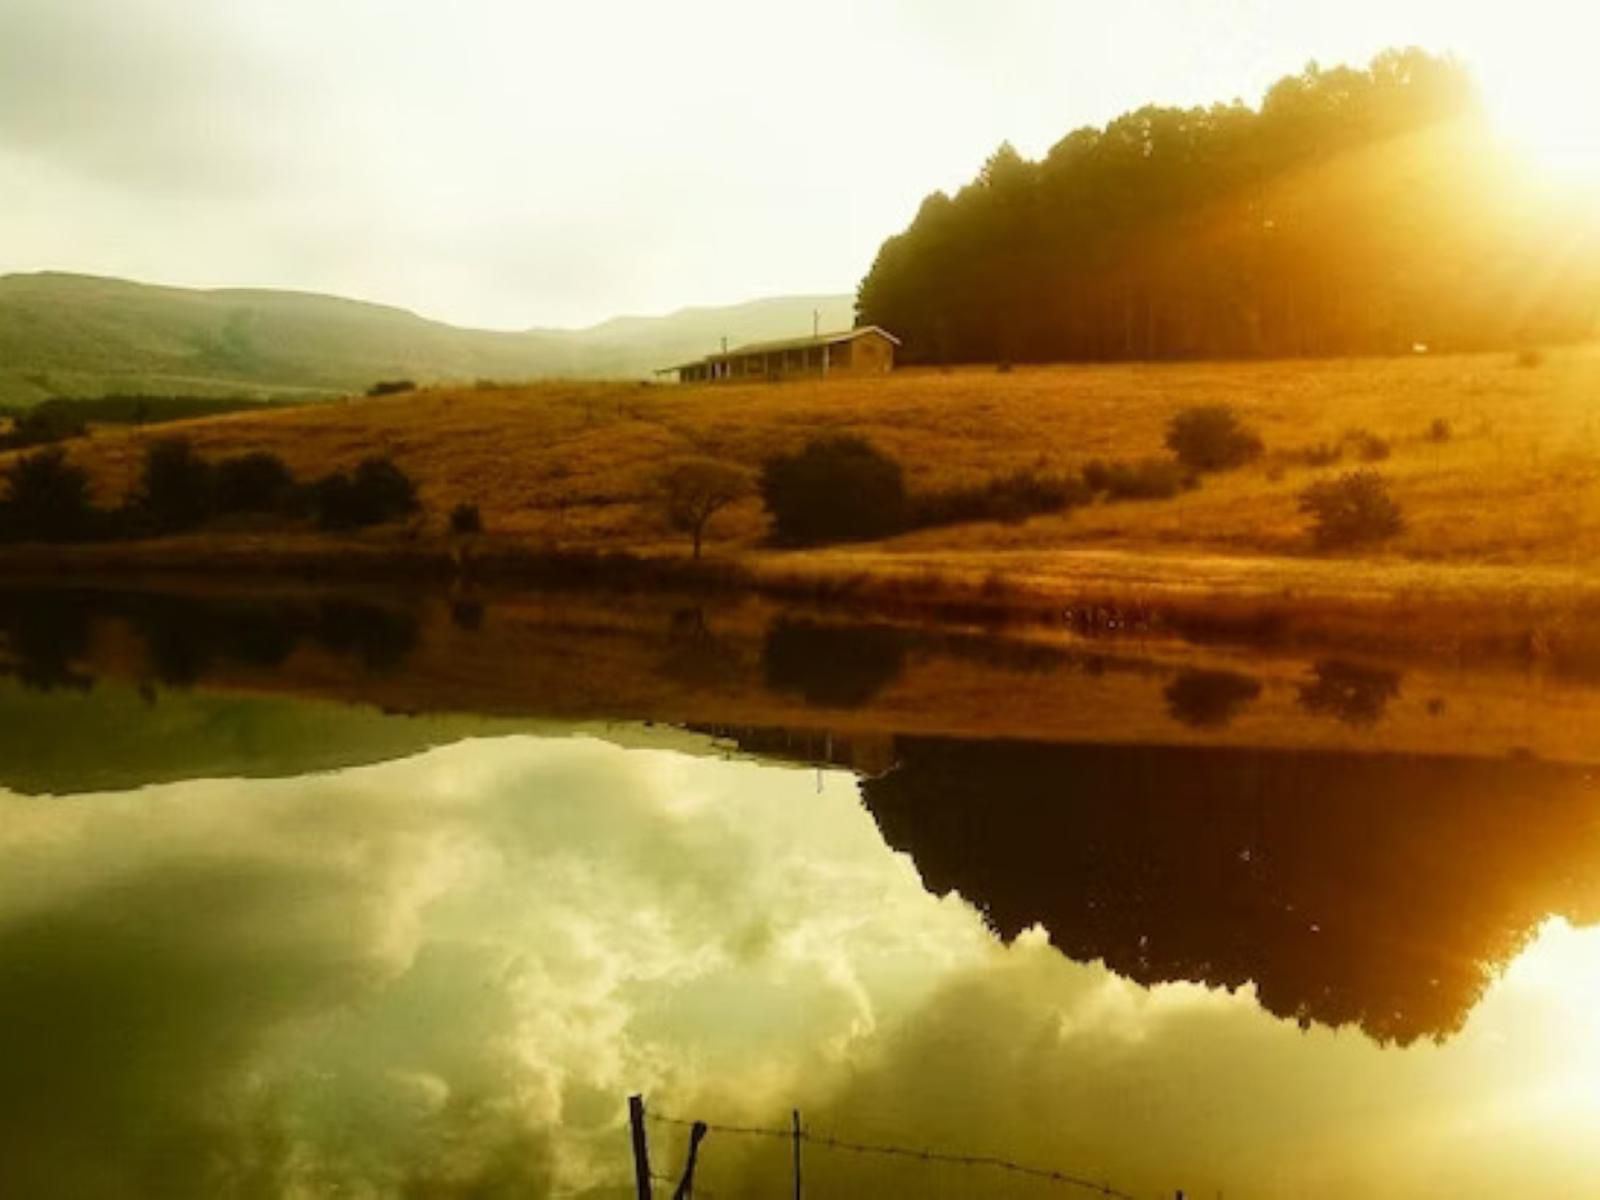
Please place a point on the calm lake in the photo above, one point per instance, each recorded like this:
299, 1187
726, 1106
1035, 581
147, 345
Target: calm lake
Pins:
372, 895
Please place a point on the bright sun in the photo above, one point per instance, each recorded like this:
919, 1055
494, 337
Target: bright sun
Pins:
1550, 108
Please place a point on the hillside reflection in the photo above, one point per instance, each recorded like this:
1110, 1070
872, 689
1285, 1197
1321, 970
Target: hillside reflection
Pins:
1382, 891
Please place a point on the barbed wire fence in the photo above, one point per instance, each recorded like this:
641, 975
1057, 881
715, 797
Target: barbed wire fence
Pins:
799, 1137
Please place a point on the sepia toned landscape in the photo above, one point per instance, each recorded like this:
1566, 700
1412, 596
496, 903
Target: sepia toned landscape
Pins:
629, 601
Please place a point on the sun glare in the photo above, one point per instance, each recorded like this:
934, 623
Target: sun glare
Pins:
1550, 111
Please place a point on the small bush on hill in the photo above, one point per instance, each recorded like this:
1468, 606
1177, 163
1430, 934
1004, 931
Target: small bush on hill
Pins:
1351, 510
392, 387
45, 498
1369, 446
1147, 479
1014, 497
258, 482
836, 489
378, 491
1211, 438
1439, 431
178, 488
1530, 357
465, 518
1323, 454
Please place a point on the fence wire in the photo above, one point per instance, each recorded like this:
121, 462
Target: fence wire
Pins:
946, 1158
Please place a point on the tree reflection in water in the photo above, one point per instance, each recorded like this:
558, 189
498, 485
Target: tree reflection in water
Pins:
1376, 890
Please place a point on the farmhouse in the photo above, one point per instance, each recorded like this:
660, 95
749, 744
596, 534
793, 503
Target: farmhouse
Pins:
853, 352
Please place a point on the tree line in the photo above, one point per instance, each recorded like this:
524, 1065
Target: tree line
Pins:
44, 497
1355, 211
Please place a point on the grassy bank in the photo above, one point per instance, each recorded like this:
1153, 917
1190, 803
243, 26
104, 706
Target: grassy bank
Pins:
1502, 511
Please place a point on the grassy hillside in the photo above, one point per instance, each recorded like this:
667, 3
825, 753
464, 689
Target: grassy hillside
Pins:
574, 465
70, 335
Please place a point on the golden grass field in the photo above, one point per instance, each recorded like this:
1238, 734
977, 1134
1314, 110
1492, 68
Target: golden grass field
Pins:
574, 464
1507, 511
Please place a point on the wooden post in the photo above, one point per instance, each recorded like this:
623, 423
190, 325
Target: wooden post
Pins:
641, 1147
685, 1190
797, 1154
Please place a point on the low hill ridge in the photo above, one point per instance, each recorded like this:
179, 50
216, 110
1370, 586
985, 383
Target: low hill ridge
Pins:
64, 334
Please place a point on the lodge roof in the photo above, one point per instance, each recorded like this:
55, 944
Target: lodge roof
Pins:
800, 343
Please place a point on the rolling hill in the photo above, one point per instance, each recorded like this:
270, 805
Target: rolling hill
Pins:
77, 335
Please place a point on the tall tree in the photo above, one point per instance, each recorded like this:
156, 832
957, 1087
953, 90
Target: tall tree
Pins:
1356, 211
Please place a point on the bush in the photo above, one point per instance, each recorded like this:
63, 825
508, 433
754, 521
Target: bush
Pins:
1351, 510
1323, 454
836, 489
45, 498
333, 498
50, 422
1014, 497
1530, 357
465, 518
1147, 479
391, 387
379, 491
1211, 438
177, 491
1439, 431
256, 482
1368, 445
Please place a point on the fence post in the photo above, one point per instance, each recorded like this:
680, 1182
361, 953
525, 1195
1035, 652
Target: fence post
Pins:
796, 1154
641, 1147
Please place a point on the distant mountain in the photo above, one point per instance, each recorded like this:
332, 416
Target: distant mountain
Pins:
78, 335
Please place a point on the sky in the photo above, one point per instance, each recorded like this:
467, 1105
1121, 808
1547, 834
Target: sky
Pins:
442, 976
520, 163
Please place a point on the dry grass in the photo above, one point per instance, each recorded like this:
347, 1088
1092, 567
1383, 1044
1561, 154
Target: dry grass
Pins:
1518, 482
1504, 516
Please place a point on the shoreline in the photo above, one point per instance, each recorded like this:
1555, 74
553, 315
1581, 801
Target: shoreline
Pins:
1536, 616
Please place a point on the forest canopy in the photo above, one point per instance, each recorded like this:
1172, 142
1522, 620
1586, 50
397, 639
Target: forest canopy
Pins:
1354, 212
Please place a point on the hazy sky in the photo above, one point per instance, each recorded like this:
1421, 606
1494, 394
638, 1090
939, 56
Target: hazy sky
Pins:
511, 163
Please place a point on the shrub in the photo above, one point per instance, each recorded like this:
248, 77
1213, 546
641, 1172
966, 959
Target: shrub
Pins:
257, 482
387, 490
333, 498
1368, 445
465, 518
693, 490
1439, 431
1350, 510
391, 387
45, 498
50, 422
1146, 479
177, 490
836, 489
1211, 438
379, 491
1530, 357
1323, 454
1014, 497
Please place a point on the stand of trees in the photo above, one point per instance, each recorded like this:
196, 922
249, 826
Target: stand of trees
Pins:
1357, 211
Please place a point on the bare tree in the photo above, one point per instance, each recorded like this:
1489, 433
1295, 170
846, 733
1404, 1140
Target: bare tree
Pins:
693, 490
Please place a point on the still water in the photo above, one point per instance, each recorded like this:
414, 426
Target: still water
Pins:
360, 897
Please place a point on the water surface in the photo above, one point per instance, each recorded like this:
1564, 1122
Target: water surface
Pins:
296, 901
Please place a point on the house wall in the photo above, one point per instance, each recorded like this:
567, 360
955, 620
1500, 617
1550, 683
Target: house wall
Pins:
871, 354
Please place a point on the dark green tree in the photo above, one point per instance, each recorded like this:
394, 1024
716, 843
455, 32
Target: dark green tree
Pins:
45, 498
177, 490
835, 489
